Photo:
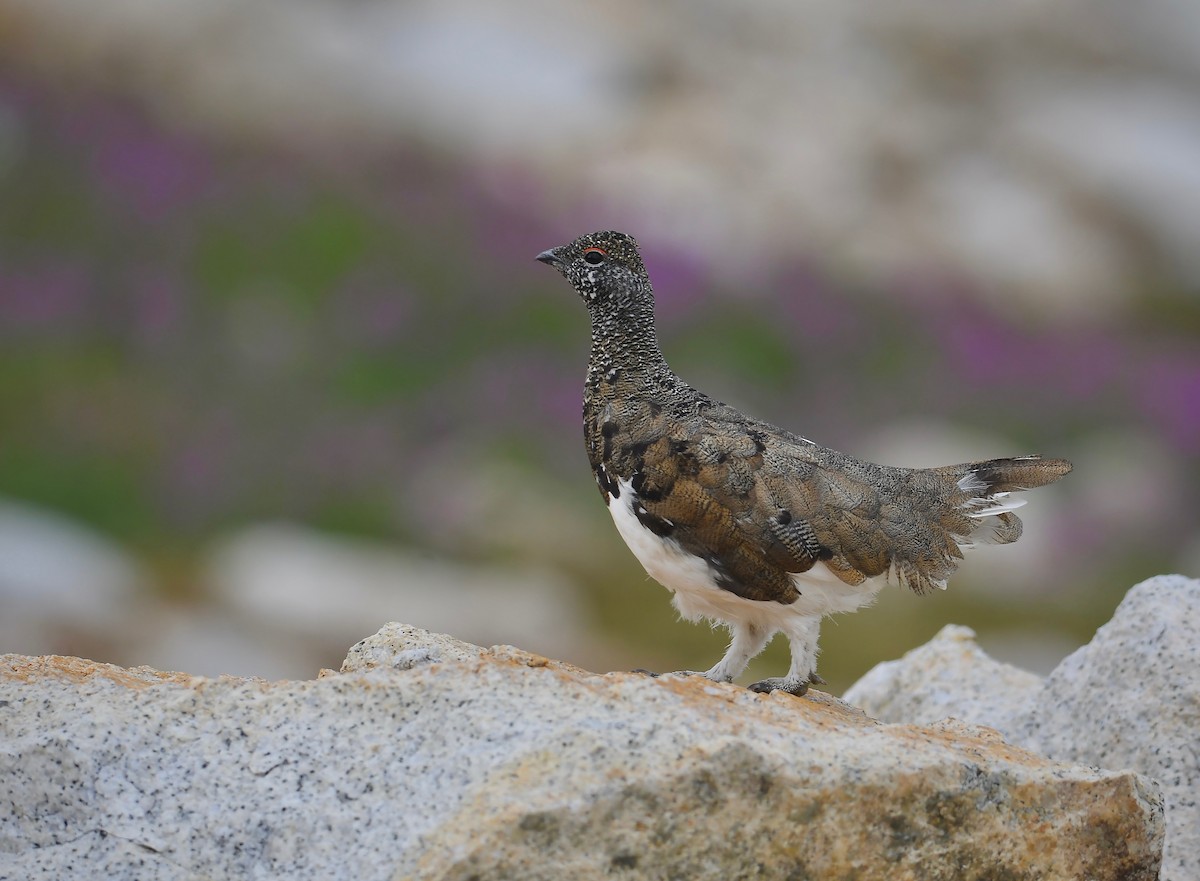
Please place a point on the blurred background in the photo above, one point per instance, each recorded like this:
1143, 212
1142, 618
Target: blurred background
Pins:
277, 364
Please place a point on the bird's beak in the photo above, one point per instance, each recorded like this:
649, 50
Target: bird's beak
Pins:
549, 257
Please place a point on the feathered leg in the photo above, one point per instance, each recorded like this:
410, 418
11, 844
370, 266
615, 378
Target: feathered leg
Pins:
748, 640
803, 637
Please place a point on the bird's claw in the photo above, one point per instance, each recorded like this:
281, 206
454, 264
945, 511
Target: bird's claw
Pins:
790, 684
798, 687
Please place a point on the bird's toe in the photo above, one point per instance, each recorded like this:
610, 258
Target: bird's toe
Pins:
791, 685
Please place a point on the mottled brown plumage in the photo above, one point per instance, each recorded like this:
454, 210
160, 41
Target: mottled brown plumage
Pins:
713, 501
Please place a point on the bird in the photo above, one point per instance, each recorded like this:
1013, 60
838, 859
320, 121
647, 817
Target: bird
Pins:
746, 523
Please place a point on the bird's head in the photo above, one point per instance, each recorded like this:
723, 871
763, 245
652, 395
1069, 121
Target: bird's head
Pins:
605, 269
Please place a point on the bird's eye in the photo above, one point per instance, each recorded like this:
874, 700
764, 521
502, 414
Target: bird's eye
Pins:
594, 256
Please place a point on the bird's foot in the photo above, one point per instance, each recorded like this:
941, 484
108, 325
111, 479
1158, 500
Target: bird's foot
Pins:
791, 684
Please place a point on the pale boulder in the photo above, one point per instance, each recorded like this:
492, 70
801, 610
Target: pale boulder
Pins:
1128, 699
1131, 699
445, 761
949, 676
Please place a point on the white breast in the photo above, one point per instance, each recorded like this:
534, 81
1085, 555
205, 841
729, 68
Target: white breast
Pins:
663, 558
698, 595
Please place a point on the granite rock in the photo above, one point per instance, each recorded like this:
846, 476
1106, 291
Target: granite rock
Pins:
291, 580
1131, 699
59, 578
1128, 699
401, 647
433, 759
949, 676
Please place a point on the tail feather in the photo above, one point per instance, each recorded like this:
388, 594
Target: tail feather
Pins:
1010, 475
985, 493
1001, 529
965, 505
988, 506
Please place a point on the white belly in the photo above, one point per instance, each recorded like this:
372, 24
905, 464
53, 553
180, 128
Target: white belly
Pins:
698, 595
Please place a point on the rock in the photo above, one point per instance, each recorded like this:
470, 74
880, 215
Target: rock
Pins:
1131, 699
208, 640
1128, 699
434, 759
64, 587
292, 580
402, 647
59, 578
949, 676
